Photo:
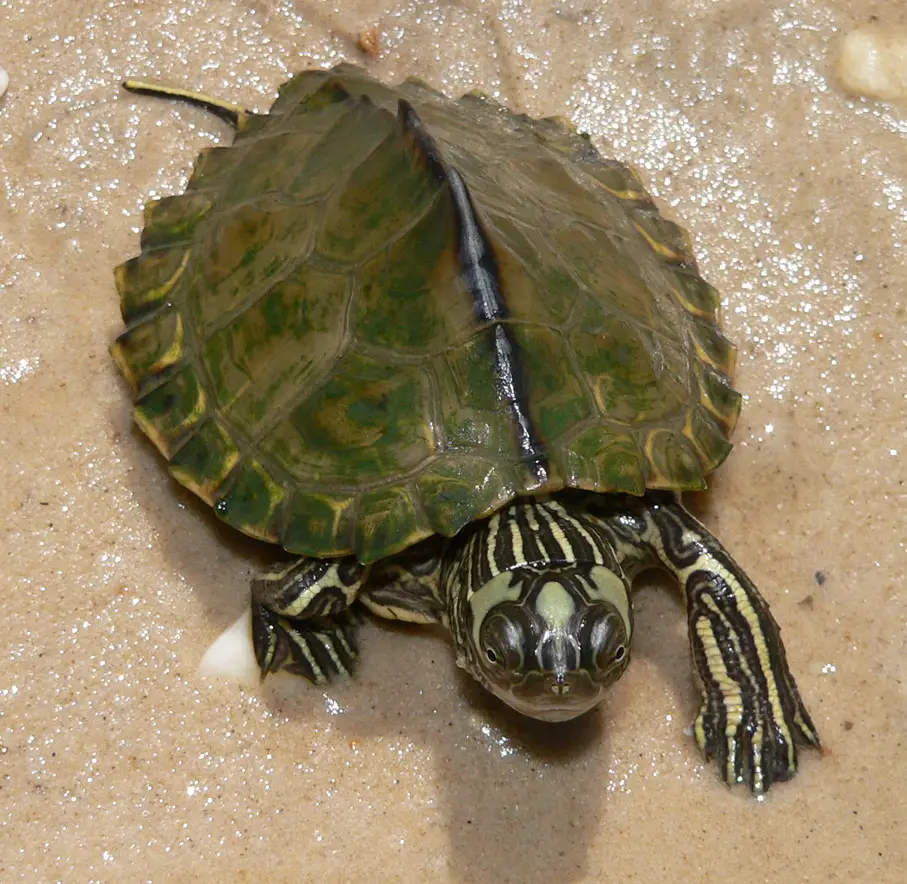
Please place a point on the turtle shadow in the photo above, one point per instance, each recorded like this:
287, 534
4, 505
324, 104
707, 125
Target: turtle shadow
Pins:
528, 801
517, 799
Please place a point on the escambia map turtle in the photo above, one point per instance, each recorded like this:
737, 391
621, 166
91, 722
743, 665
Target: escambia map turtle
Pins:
458, 364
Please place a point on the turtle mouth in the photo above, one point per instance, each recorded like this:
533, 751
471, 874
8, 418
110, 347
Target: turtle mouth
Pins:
548, 696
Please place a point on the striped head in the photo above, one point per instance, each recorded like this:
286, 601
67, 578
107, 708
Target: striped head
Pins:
543, 610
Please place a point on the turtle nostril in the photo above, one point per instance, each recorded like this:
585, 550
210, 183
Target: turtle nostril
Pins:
559, 685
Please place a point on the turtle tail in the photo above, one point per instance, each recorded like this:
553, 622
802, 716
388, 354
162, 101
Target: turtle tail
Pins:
236, 116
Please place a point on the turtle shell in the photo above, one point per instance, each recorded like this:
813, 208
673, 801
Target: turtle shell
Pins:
382, 314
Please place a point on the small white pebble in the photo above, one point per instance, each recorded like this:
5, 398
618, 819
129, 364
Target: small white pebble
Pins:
873, 63
4, 81
231, 656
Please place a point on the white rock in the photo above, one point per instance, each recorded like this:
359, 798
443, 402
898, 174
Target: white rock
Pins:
873, 63
4, 81
232, 656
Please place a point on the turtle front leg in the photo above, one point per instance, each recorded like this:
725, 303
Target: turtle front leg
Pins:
752, 714
300, 618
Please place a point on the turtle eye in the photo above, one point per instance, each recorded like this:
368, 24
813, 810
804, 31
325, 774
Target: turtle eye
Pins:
607, 640
501, 641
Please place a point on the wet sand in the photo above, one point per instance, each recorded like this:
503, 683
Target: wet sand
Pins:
119, 763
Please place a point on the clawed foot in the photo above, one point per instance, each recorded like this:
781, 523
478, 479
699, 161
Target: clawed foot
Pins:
751, 744
316, 649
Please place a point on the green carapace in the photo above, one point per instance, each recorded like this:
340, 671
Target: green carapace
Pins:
457, 363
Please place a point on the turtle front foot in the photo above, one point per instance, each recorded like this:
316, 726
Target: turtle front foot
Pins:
317, 649
753, 737
300, 617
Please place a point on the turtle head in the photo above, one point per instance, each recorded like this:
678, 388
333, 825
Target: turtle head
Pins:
549, 639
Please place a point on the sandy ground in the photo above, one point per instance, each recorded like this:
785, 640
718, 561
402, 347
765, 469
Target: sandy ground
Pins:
119, 763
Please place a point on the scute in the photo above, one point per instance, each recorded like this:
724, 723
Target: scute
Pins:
286, 340
367, 421
411, 294
316, 357
599, 459
382, 197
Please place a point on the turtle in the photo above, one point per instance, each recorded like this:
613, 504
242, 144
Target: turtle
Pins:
457, 364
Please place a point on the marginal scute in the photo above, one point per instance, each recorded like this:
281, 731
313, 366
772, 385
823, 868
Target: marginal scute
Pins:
696, 296
169, 413
174, 219
419, 85
205, 460
388, 521
250, 501
317, 524
671, 462
602, 460
561, 135
479, 95
558, 124
213, 165
616, 178
147, 349
718, 396
457, 489
147, 281
712, 347
668, 240
707, 437
620, 181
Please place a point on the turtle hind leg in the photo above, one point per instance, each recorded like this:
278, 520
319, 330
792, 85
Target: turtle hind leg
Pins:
406, 587
301, 621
